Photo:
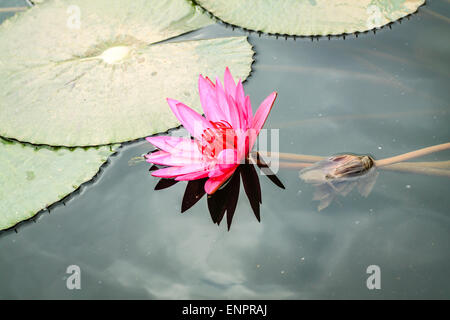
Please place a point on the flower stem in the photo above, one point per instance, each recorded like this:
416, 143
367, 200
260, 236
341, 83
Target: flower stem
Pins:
378, 163
13, 9
434, 168
396, 163
412, 155
407, 167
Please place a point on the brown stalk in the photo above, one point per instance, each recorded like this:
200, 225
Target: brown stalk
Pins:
412, 155
396, 163
426, 168
13, 9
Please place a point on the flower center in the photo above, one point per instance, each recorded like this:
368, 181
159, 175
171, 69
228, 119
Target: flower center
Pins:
217, 138
116, 54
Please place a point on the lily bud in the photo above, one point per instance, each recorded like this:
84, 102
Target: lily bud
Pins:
337, 167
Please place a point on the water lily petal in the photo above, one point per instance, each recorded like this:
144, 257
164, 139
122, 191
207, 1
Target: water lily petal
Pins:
173, 172
230, 85
207, 93
263, 111
227, 157
192, 176
210, 81
236, 115
168, 143
226, 160
220, 171
194, 123
245, 141
240, 99
181, 147
213, 184
155, 156
173, 106
249, 111
168, 159
222, 101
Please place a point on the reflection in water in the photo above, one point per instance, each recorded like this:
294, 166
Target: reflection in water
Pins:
225, 199
338, 175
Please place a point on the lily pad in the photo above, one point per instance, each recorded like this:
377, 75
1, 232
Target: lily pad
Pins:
310, 17
32, 178
104, 78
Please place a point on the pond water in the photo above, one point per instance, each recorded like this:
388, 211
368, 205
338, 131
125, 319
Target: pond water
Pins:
381, 94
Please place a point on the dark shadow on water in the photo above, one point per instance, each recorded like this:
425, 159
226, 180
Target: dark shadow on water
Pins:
226, 198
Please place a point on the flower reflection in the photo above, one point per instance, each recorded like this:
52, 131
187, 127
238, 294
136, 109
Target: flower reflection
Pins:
225, 199
338, 175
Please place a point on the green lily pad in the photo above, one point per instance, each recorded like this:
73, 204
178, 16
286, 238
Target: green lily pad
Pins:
32, 178
310, 17
103, 83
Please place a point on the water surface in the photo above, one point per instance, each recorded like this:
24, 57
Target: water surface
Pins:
381, 94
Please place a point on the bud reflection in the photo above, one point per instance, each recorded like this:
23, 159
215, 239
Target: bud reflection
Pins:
338, 175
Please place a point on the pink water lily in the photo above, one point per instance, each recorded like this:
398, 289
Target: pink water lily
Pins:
221, 140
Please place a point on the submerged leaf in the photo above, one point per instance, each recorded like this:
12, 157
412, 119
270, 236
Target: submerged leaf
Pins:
310, 17
32, 178
99, 73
